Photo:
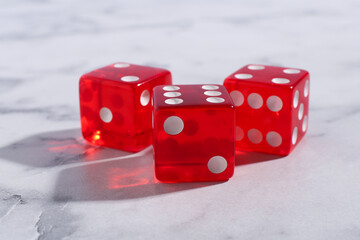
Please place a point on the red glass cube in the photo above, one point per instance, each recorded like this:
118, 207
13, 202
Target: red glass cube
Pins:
194, 138
116, 106
272, 105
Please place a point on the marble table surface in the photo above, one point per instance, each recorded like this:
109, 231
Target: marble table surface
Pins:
53, 185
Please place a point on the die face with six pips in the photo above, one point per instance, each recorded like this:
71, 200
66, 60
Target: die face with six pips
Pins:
272, 105
193, 133
115, 105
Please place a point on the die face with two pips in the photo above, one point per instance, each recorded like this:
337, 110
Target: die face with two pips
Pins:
115, 105
272, 105
194, 136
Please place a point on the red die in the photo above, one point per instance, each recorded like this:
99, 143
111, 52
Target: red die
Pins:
115, 105
272, 105
194, 133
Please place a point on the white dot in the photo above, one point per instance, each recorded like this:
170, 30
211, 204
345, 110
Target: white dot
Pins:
212, 93
306, 88
130, 78
256, 67
106, 115
145, 97
215, 99
239, 133
210, 87
171, 88
217, 164
274, 139
255, 136
274, 103
291, 71
174, 101
301, 111
294, 135
280, 80
296, 99
172, 94
121, 65
237, 97
173, 125
243, 76
305, 124
255, 100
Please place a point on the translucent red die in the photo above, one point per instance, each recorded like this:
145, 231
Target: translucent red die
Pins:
115, 105
194, 138
272, 105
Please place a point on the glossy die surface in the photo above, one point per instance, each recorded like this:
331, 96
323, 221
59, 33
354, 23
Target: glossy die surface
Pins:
272, 105
194, 136
115, 105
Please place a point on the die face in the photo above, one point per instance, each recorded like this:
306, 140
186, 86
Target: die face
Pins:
264, 109
262, 112
184, 96
115, 113
193, 140
103, 116
300, 111
270, 76
126, 73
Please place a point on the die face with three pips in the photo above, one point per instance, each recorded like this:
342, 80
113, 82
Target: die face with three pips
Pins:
272, 105
193, 133
115, 105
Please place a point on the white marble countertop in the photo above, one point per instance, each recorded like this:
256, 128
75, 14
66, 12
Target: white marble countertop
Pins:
55, 186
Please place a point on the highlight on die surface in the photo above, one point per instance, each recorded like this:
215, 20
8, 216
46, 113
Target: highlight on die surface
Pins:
115, 105
272, 106
194, 135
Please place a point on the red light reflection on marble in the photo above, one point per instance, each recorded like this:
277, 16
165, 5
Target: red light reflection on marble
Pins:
64, 147
125, 178
74, 146
96, 138
244, 157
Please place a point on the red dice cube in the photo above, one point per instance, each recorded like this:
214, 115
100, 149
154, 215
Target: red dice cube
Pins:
115, 105
272, 105
194, 135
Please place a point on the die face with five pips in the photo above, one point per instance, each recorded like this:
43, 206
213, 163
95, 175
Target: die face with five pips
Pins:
272, 105
194, 136
115, 105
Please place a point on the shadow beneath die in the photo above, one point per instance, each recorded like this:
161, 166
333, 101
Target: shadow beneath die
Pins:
56, 148
245, 158
127, 177
91, 173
